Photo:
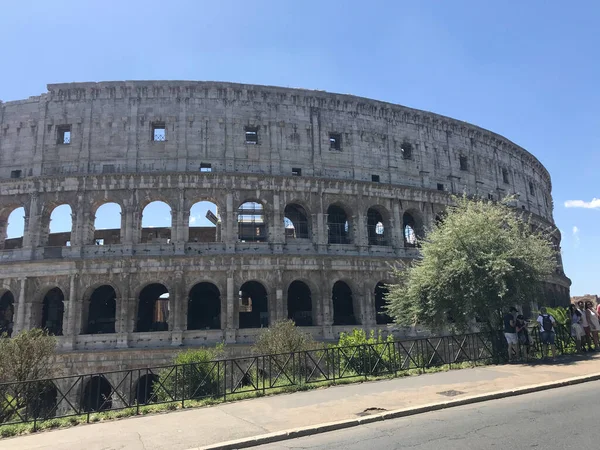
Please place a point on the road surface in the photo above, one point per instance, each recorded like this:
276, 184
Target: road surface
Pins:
564, 418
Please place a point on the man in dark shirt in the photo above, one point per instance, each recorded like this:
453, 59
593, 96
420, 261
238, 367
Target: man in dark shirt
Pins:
510, 333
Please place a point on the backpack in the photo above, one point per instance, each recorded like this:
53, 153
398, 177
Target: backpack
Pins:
547, 323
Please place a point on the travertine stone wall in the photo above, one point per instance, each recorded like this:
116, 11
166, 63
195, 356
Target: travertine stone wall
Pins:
112, 157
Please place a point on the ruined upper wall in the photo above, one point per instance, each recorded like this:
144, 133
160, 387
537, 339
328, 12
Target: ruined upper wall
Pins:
111, 127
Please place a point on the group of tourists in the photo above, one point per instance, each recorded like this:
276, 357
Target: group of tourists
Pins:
585, 328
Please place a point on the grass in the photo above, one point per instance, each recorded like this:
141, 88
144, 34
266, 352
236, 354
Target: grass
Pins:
66, 422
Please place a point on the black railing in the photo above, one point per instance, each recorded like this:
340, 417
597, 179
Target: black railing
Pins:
32, 401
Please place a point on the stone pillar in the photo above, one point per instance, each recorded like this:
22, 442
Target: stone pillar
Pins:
327, 310
397, 228
231, 323
360, 232
280, 309
3, 227
322, 232
176, 319
72, 314
19, 323
368, 307
230, 235
128, 223
125, 316
277, 225
32, 236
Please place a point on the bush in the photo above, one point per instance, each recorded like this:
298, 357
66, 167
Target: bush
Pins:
195, 375
362, 355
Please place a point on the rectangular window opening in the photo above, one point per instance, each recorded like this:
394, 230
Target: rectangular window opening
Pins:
464, 163
335, 141
15, 174
440, 187
205, 167
375, 178
64, 134
251, 135
531, 188
108, 168
159, 132
491, 197
296, 172
99, 241
406, 150
505, 176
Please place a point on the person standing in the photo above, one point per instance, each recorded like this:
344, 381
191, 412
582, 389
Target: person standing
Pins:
594, 323
523, 335
510, 333
576, 328
547, 332
587, 333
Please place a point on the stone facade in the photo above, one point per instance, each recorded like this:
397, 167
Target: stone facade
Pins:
376, 171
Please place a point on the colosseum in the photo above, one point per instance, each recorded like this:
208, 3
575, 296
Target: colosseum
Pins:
311, 196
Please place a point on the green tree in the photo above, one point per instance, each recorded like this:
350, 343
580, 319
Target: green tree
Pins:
482, 258
282, 337
30, 355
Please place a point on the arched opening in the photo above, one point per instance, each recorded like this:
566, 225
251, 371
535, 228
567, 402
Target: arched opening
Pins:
381, 315
410, 230
102, 311
299, 302
53, 308
253, 305
204, 307
97, 394
296, 222
156, 223
60, 227
343, 306
144, 389
375, 229
44, 402
11, 236
338, 225
205, 223
153, 308
251, 222
7, 310
107, 224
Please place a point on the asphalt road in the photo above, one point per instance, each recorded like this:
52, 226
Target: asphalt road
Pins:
564, 418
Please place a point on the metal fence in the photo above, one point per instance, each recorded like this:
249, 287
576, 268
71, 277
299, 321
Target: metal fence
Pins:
33, 401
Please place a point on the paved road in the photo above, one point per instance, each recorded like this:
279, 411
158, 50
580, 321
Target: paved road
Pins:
565, 418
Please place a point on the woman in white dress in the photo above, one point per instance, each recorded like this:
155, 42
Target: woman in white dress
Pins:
576, 328
594, 323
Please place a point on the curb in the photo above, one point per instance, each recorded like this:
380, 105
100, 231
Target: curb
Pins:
348, 423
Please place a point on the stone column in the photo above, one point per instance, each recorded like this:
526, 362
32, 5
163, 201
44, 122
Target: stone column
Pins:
368, 306
31, 238
176, 301
397, 228
327, 310
360, 232
277, 225
230, 235
231, 323
3, 227
125, 316
72, 314
19, 322
322, 232
128, 224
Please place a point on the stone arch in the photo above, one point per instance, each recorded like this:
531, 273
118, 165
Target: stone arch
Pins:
107, 228
53, 308
296, 221
300, 303
144, 390
204, 307
97, 394
101, 313
412, 228
342, 299
153, 308
12, 227
159, 213
339, 227
378, 225
252, 221
7, 312
253, 305
381, 316
204, 222
57, 225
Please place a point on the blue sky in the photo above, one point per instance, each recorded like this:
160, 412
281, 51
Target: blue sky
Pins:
527, 70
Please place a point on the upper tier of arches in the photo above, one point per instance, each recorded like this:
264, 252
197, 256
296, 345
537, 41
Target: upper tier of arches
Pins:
145, 127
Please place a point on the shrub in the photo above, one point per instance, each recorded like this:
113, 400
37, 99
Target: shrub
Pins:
194, 375
364, 355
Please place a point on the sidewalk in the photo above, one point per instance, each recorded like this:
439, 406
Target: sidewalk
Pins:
192, 428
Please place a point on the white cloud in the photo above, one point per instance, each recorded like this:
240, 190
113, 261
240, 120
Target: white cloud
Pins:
192, 220
594, 204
